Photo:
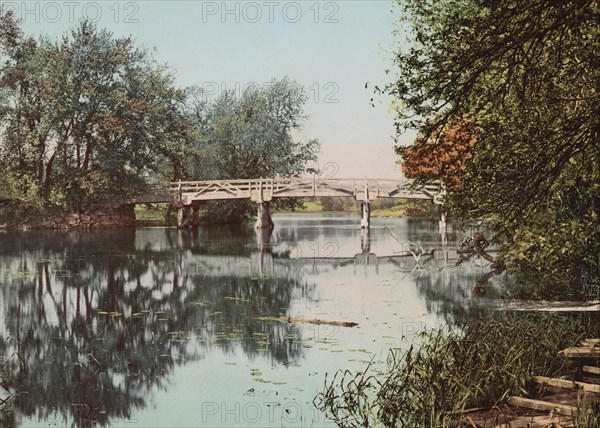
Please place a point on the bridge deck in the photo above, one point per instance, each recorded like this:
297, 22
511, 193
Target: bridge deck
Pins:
263, 190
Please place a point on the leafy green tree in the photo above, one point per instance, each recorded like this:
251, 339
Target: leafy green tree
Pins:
250, 137
88, 118
525, 75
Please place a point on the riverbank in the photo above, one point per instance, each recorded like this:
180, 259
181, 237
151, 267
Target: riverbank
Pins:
448, 374
96, 216
144, 215
379, 208
572, 402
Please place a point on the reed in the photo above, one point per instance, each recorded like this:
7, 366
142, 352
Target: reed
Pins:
449, 372
589, 418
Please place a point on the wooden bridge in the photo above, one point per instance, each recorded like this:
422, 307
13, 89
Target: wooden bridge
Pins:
187, 196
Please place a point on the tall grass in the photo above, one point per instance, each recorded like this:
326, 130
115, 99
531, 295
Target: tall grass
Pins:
589, 419
432, 383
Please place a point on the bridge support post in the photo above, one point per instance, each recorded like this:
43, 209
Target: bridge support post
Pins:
443, 224
187, 216
263, 220
182, 215
365, 214
195, 216
365, 241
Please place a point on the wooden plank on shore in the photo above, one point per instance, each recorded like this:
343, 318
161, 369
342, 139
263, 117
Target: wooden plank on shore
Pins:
591, 369
566, 384
591, 379
529, 403
581, 352
538, 422
512, 420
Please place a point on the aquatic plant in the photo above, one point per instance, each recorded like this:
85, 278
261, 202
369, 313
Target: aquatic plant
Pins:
450, 371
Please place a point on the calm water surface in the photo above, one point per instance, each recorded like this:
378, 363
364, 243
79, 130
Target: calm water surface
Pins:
158, 327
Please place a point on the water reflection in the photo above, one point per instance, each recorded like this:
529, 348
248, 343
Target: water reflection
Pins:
96, 321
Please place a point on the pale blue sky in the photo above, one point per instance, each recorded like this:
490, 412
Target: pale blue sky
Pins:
331, 47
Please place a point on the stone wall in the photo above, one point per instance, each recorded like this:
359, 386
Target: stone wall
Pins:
93, 217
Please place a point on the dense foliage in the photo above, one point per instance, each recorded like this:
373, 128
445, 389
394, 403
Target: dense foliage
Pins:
86, 118
250, 137
446, 161
93, 118
523, 77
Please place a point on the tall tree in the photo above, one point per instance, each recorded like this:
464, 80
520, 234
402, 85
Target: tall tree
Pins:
252, 137
89, 117
93, 118
525, 75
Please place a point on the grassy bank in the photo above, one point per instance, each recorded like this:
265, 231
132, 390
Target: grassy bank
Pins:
448, 372
158, 214
155, 215
310, 207
379, 208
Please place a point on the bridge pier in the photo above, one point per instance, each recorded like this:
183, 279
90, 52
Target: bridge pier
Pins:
182, 214
187, 216
443, 224
263, 219
365, 241
365, 214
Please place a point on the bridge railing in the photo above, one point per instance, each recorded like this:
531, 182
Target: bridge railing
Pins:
366, 189
190, 186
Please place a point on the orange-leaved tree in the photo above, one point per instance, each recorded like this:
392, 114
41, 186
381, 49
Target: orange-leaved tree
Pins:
445, 159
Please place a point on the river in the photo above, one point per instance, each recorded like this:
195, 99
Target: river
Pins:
160, 327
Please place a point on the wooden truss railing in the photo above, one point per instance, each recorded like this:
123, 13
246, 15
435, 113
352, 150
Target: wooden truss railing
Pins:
264, 190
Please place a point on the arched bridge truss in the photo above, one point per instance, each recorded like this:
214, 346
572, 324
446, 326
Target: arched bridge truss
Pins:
187, 196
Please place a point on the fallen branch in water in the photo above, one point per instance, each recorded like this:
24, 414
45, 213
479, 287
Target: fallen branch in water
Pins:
316, 321
418, 246
498, 267
309, 321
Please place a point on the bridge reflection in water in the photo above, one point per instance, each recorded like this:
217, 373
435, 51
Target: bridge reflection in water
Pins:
268, 258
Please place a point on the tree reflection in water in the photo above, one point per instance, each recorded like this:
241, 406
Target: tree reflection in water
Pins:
94, 320
451, 290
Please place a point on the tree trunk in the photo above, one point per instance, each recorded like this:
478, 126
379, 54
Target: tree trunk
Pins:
478, 241
48, 178
87, 157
